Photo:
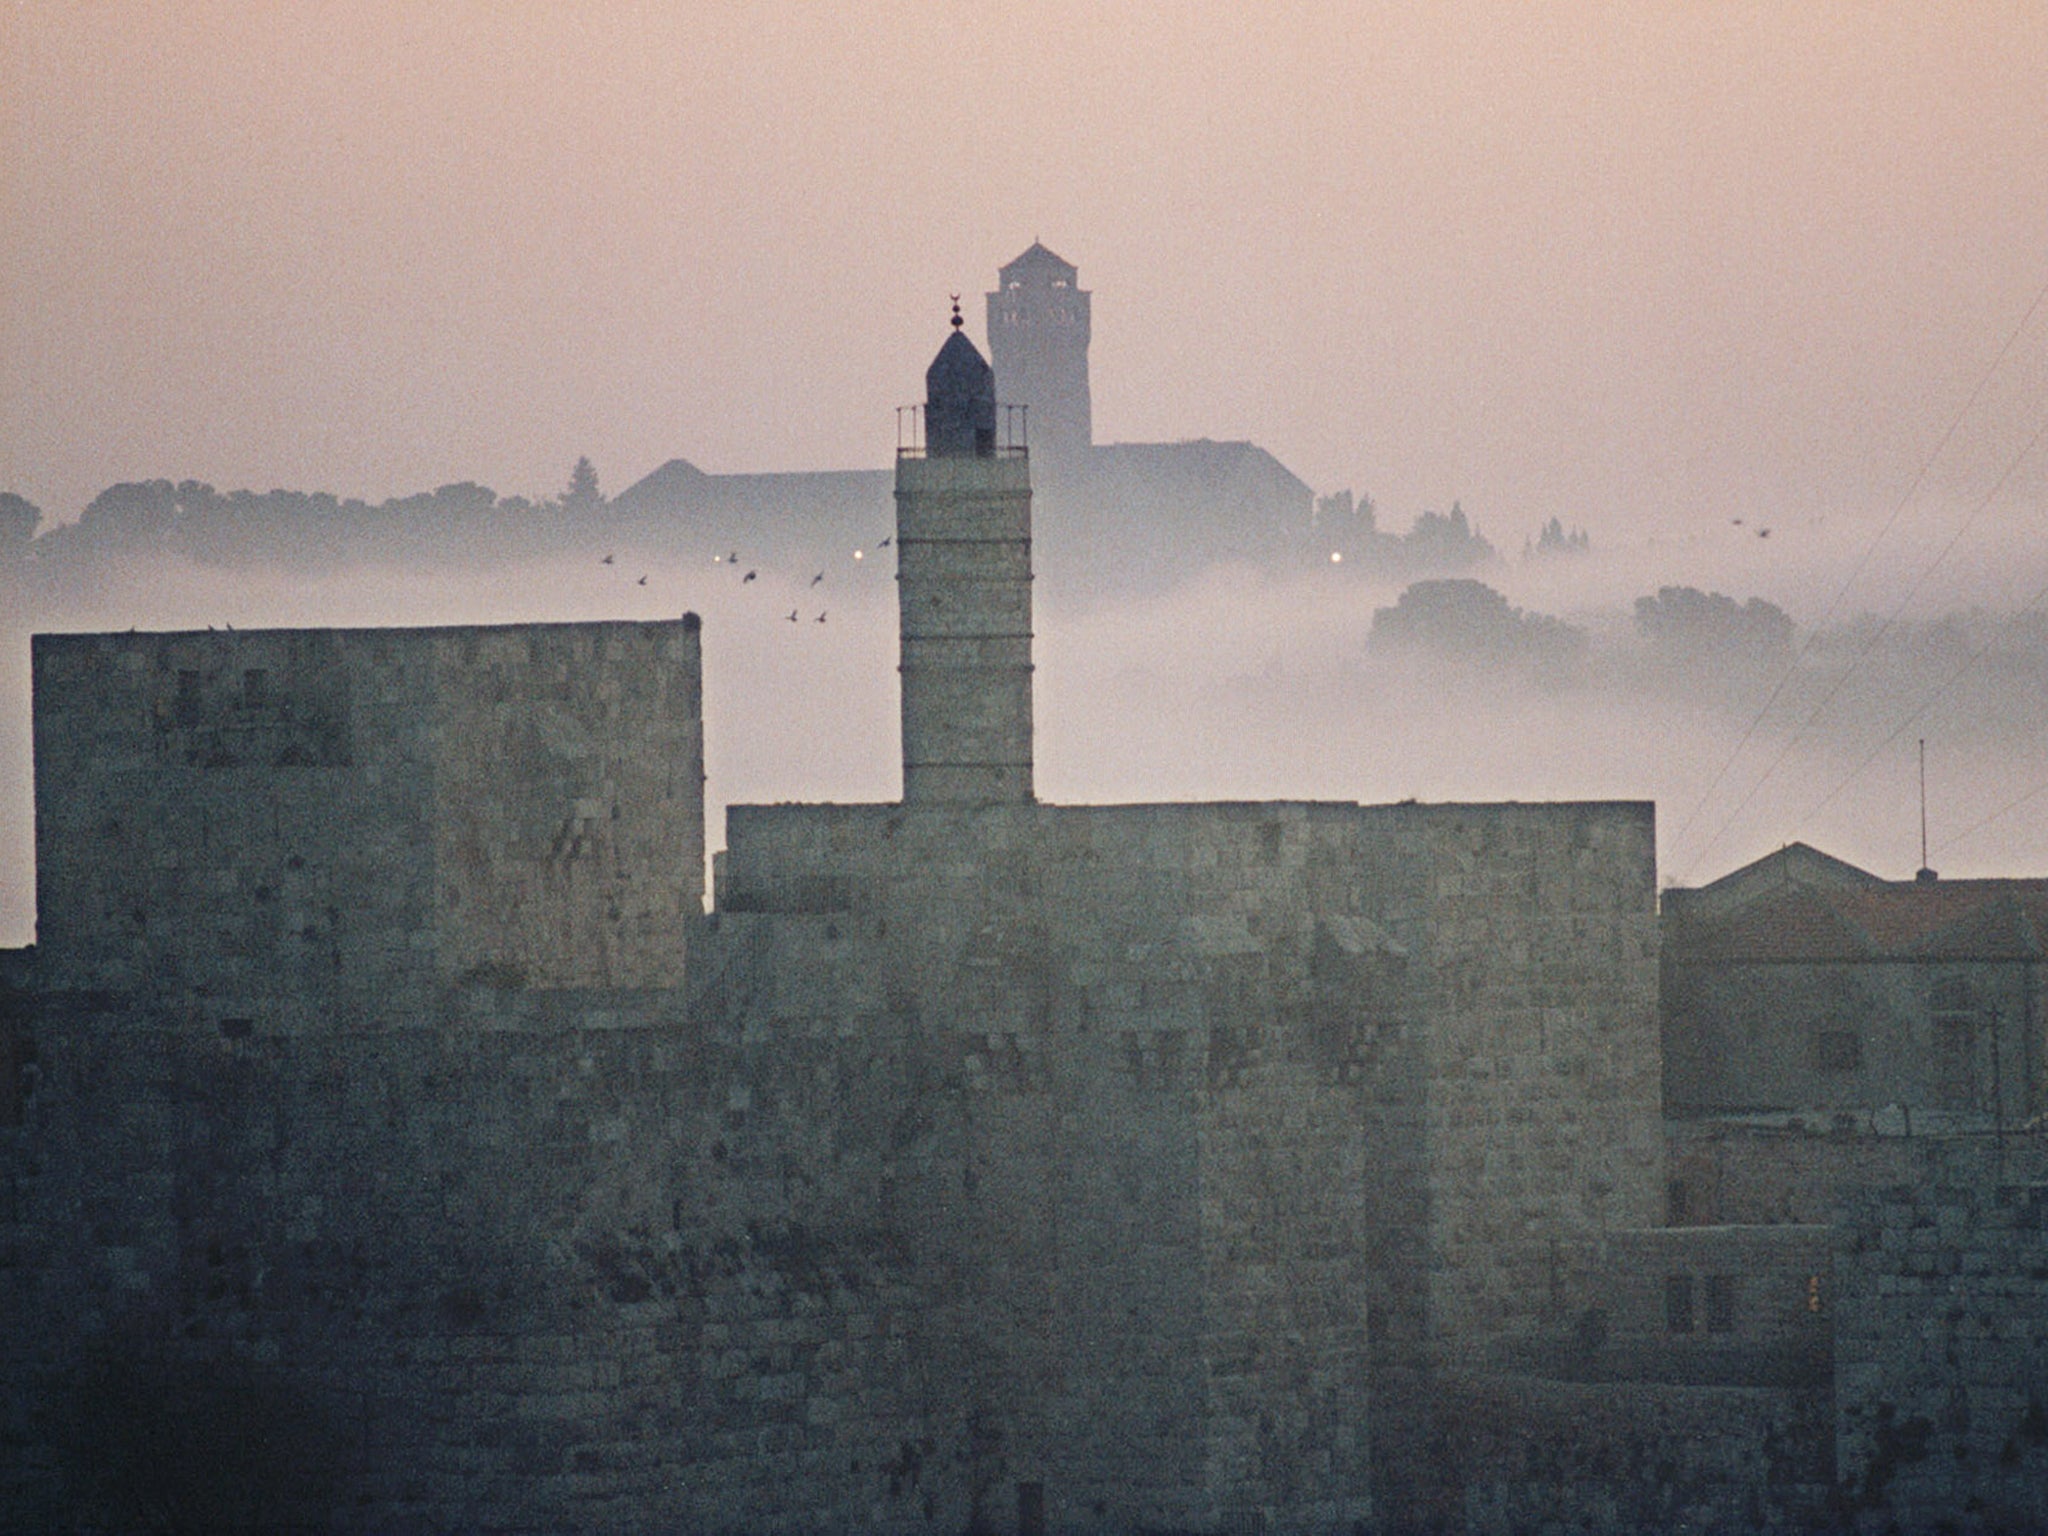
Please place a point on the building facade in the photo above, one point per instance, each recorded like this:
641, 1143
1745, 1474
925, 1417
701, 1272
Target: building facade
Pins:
391, 1141
1039, 323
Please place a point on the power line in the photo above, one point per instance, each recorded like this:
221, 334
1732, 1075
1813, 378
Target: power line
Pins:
1834, 602
1870, 645
1969, 661
2004, 810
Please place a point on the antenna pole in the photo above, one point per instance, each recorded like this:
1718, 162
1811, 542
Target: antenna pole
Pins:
1923, 802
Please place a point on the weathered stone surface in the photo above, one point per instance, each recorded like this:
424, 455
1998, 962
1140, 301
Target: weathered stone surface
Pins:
1941, 1365
314, 827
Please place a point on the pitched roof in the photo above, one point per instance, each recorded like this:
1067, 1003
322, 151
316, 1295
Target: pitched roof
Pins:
1793, 865
1864, 919
1037, 255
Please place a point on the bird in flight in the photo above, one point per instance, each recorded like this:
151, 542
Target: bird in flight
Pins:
885, 542
817, 578
607, 560
792, 615
750, 576
820, 619
1736, 521
641, 582
1763, 533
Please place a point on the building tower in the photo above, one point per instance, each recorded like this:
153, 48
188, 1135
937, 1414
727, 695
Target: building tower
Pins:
963, 573
1038, 339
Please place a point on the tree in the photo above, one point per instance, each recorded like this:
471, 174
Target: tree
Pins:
1554, 540
1446, 542
18, 519
1685, 620
1462, 617
583, 494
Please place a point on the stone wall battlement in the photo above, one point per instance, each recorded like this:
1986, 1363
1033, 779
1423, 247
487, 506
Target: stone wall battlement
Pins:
327, 824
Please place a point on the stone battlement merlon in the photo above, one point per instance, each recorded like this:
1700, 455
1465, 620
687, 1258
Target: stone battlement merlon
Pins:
284, 822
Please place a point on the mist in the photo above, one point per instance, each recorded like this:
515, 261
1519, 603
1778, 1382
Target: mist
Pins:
1749, 295
1250, 683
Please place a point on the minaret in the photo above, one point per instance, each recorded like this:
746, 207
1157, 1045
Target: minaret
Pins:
1038, 325
963, 572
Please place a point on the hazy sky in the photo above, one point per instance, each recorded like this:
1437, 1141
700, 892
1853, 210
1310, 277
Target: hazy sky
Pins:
1647, 268
1629, 265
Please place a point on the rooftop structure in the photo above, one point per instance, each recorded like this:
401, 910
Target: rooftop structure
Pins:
1038, 330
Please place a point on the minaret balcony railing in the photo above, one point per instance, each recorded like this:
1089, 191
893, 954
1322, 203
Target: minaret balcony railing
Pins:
1012, 432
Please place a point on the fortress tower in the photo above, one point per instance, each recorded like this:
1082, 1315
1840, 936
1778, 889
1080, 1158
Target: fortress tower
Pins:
1038, 339
963, 537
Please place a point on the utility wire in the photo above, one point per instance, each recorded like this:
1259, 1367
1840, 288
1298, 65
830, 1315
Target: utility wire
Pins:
1968, 662
1813, 633
1861, 656
1856, 571
2004, 810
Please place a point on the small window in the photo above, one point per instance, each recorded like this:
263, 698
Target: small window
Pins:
1815, 1302
1678, 1303
1720, 1303
1839, 1050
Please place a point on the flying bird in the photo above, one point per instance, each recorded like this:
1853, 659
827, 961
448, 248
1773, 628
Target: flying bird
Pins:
750, 576
733, 558
1763, 533
792, 615
641, 582
885, 543
607, 560
820, 619
817, 578
1736, 521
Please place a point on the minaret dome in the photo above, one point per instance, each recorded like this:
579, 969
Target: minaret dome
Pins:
959, 399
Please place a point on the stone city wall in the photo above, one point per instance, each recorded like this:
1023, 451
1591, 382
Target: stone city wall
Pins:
1941, 1340
552, 1262
1777, 1169
1481, 975
1151, 1191
316, 827
1534, 931
1498, 1454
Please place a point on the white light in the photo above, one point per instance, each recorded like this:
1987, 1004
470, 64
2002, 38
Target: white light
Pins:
858, 555
1336, 557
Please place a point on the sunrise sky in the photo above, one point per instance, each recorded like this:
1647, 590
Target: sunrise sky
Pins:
1628, 265
1646, 268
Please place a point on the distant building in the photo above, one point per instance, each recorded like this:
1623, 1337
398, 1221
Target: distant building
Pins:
1823, 1025
1112, 519
1038, 328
